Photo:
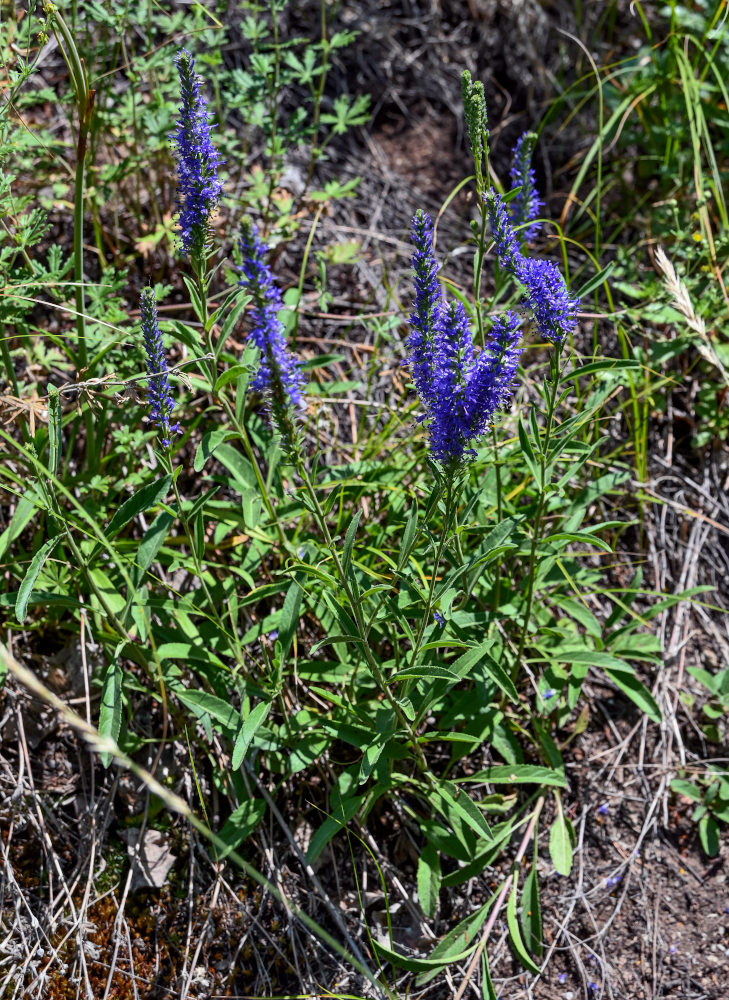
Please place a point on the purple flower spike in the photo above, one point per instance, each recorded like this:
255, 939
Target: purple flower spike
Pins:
159, 392
460, 391
505, 239
438, 618
526, 205
198, 162
279, 376
553, 308
546, 295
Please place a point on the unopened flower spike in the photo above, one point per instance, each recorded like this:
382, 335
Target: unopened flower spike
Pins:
526, 204
199, 187
546, 295
474, 110
279, 375
159, 391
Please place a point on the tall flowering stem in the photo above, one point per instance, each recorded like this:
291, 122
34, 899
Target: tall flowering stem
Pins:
554, 312
159, 391
279, 376
460, 390
199, 187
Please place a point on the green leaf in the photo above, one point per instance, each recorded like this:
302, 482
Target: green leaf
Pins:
241, 823
605, 365
455, 800
31, 575
514, 933
519, 774
233, 313
110, 710
429, 879
528, 452
426, 672
561, 839
151, 543
581, 537
349, 540
686, 788
140, 501
55, 439
332, 825
239, 466
207, 446
247, 731
531, 912
289, 619
489, 991
497, 673
408, 535
709, 835
230, 375
24, 511
202, 703
637, 692
455, 946
596, 280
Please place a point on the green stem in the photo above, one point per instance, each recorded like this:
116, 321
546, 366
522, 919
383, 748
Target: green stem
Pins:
356, 611
537, 533
199, 267
450, 508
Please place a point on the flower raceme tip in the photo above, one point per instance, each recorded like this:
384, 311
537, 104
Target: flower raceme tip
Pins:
526, 205
198, 162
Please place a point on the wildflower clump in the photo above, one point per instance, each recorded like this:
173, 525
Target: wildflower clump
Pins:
158, 391
546, 295
461, 391
279, 375
526, 204
199, 187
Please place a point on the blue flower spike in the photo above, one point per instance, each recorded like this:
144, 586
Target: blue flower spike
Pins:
546, 295
279, 376
438, 618
526, 204
460, 391
199, 187
159, 391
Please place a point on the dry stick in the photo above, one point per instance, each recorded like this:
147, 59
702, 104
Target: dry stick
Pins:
500, 899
